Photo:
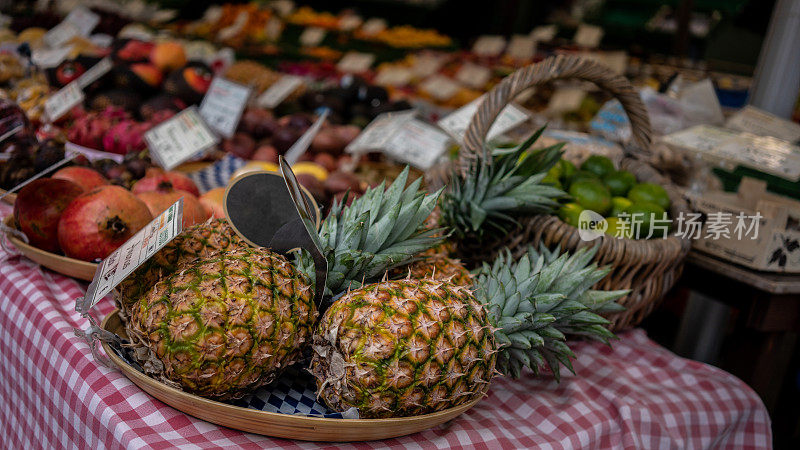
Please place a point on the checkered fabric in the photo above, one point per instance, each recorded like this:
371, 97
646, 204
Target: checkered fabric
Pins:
217, 174
635, 395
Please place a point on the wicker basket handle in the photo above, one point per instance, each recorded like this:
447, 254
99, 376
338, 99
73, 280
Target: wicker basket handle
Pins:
554, 68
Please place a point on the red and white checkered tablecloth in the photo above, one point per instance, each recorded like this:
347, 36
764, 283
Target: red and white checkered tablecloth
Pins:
634, 395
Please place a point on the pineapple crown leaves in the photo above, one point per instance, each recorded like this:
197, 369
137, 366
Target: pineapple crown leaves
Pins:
380, 230
505, 184
539, 300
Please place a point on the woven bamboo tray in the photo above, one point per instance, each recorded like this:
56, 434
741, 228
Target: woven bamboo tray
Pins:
286, 426
649, 268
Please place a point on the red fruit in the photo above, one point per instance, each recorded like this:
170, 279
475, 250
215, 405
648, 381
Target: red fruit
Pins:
240, 145
68, 72
148, 73
126, 136
134, 50
327, 161
168, 56
38, 207
89, 130
257, 122
86, 178
197, 78
193, 211
158, 180
265, 153
98, 222
213, 202
341, 181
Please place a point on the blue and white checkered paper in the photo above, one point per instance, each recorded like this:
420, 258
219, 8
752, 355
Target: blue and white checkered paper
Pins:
217, 174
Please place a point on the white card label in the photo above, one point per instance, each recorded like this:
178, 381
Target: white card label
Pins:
98, 70
355, 62
489, 45
565, 100
394, 76
377, 134
544, 33
440, 87
473, 75
283, 7
312, 36
373, 26
83, 19
350, 22
521, 47
273, 28
92, 154
456, 123
60, 34
47, 58
223, 105
418, 143
762, 123
179, 138
427, 64
62, 101
279, 91
588, 36
133, 253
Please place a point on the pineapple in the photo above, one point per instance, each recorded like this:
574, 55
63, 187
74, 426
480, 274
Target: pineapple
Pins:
225, 325
415, 346
199, 241
437, 267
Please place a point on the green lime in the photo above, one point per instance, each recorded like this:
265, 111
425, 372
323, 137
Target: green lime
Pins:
567, 169
598, 165
649, 192
591, 194
582, 175
570, 213
618, 205
552, 180
618, 228
619, 182
644, 216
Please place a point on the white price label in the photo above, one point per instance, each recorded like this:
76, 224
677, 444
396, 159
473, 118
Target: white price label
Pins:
133, 253
312, 36
521, 47
279, 91
83, 19
98, 70
60, 34
473, 75
588, 36
440, 87
544, 33
62, 101
47, 58
379, 132
179, 138
92, 154
757, 121
565, 100
273, 29
489, 45
427, 64
355, 62
456, 123
283, 7
101, 40
350, 22
223, 105
394, 76
373, 26
418, 143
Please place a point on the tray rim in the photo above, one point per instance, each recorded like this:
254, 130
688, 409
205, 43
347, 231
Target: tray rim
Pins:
329, 429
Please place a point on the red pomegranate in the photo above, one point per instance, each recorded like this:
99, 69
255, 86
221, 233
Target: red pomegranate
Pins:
98, 222
86, 178
39, 206
193, 211
157, 180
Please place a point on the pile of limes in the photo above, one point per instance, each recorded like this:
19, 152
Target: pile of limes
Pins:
631, 209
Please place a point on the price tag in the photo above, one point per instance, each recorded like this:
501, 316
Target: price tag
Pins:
373, 26
312, 37
101, 40
179, 138
544, 33
47, 58
355, 62
235, 28
588, 36
565, 100
60, 34
282, 7
350, 22
62, 101
440, 87
418, 143
132, 254
473, 75
98, 70
427, 64
278, 91
489, 45
92, 154
223, 105
757, 121
379, 132
394, 76
273, 29
456, 123
83, 19
521, 47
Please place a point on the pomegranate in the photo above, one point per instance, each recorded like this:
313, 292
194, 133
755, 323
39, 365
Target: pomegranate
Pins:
98, 222
157, 180
193, 211
84, 177
38, 207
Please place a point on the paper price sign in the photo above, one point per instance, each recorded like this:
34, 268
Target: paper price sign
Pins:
62, 101
373, 26
83, 19
132, 254
760, 122
473, 75
588, 36
179, 138
489, 45
279, 91
544, 33
355, 62
418, 144
565, 100
47, 58
223, 105
440, 87
394, 76
60, 34
426, 65
97, 71
312, 37
521, 47
456, 123
379, 132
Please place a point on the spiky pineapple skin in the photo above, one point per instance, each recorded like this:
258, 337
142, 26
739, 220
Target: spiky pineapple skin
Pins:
226, 325
199, 241
437, 267
402, 348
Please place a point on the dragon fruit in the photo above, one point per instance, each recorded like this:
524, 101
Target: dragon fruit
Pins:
89, 129
125, 136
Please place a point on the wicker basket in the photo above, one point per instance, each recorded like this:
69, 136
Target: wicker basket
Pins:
648, 268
